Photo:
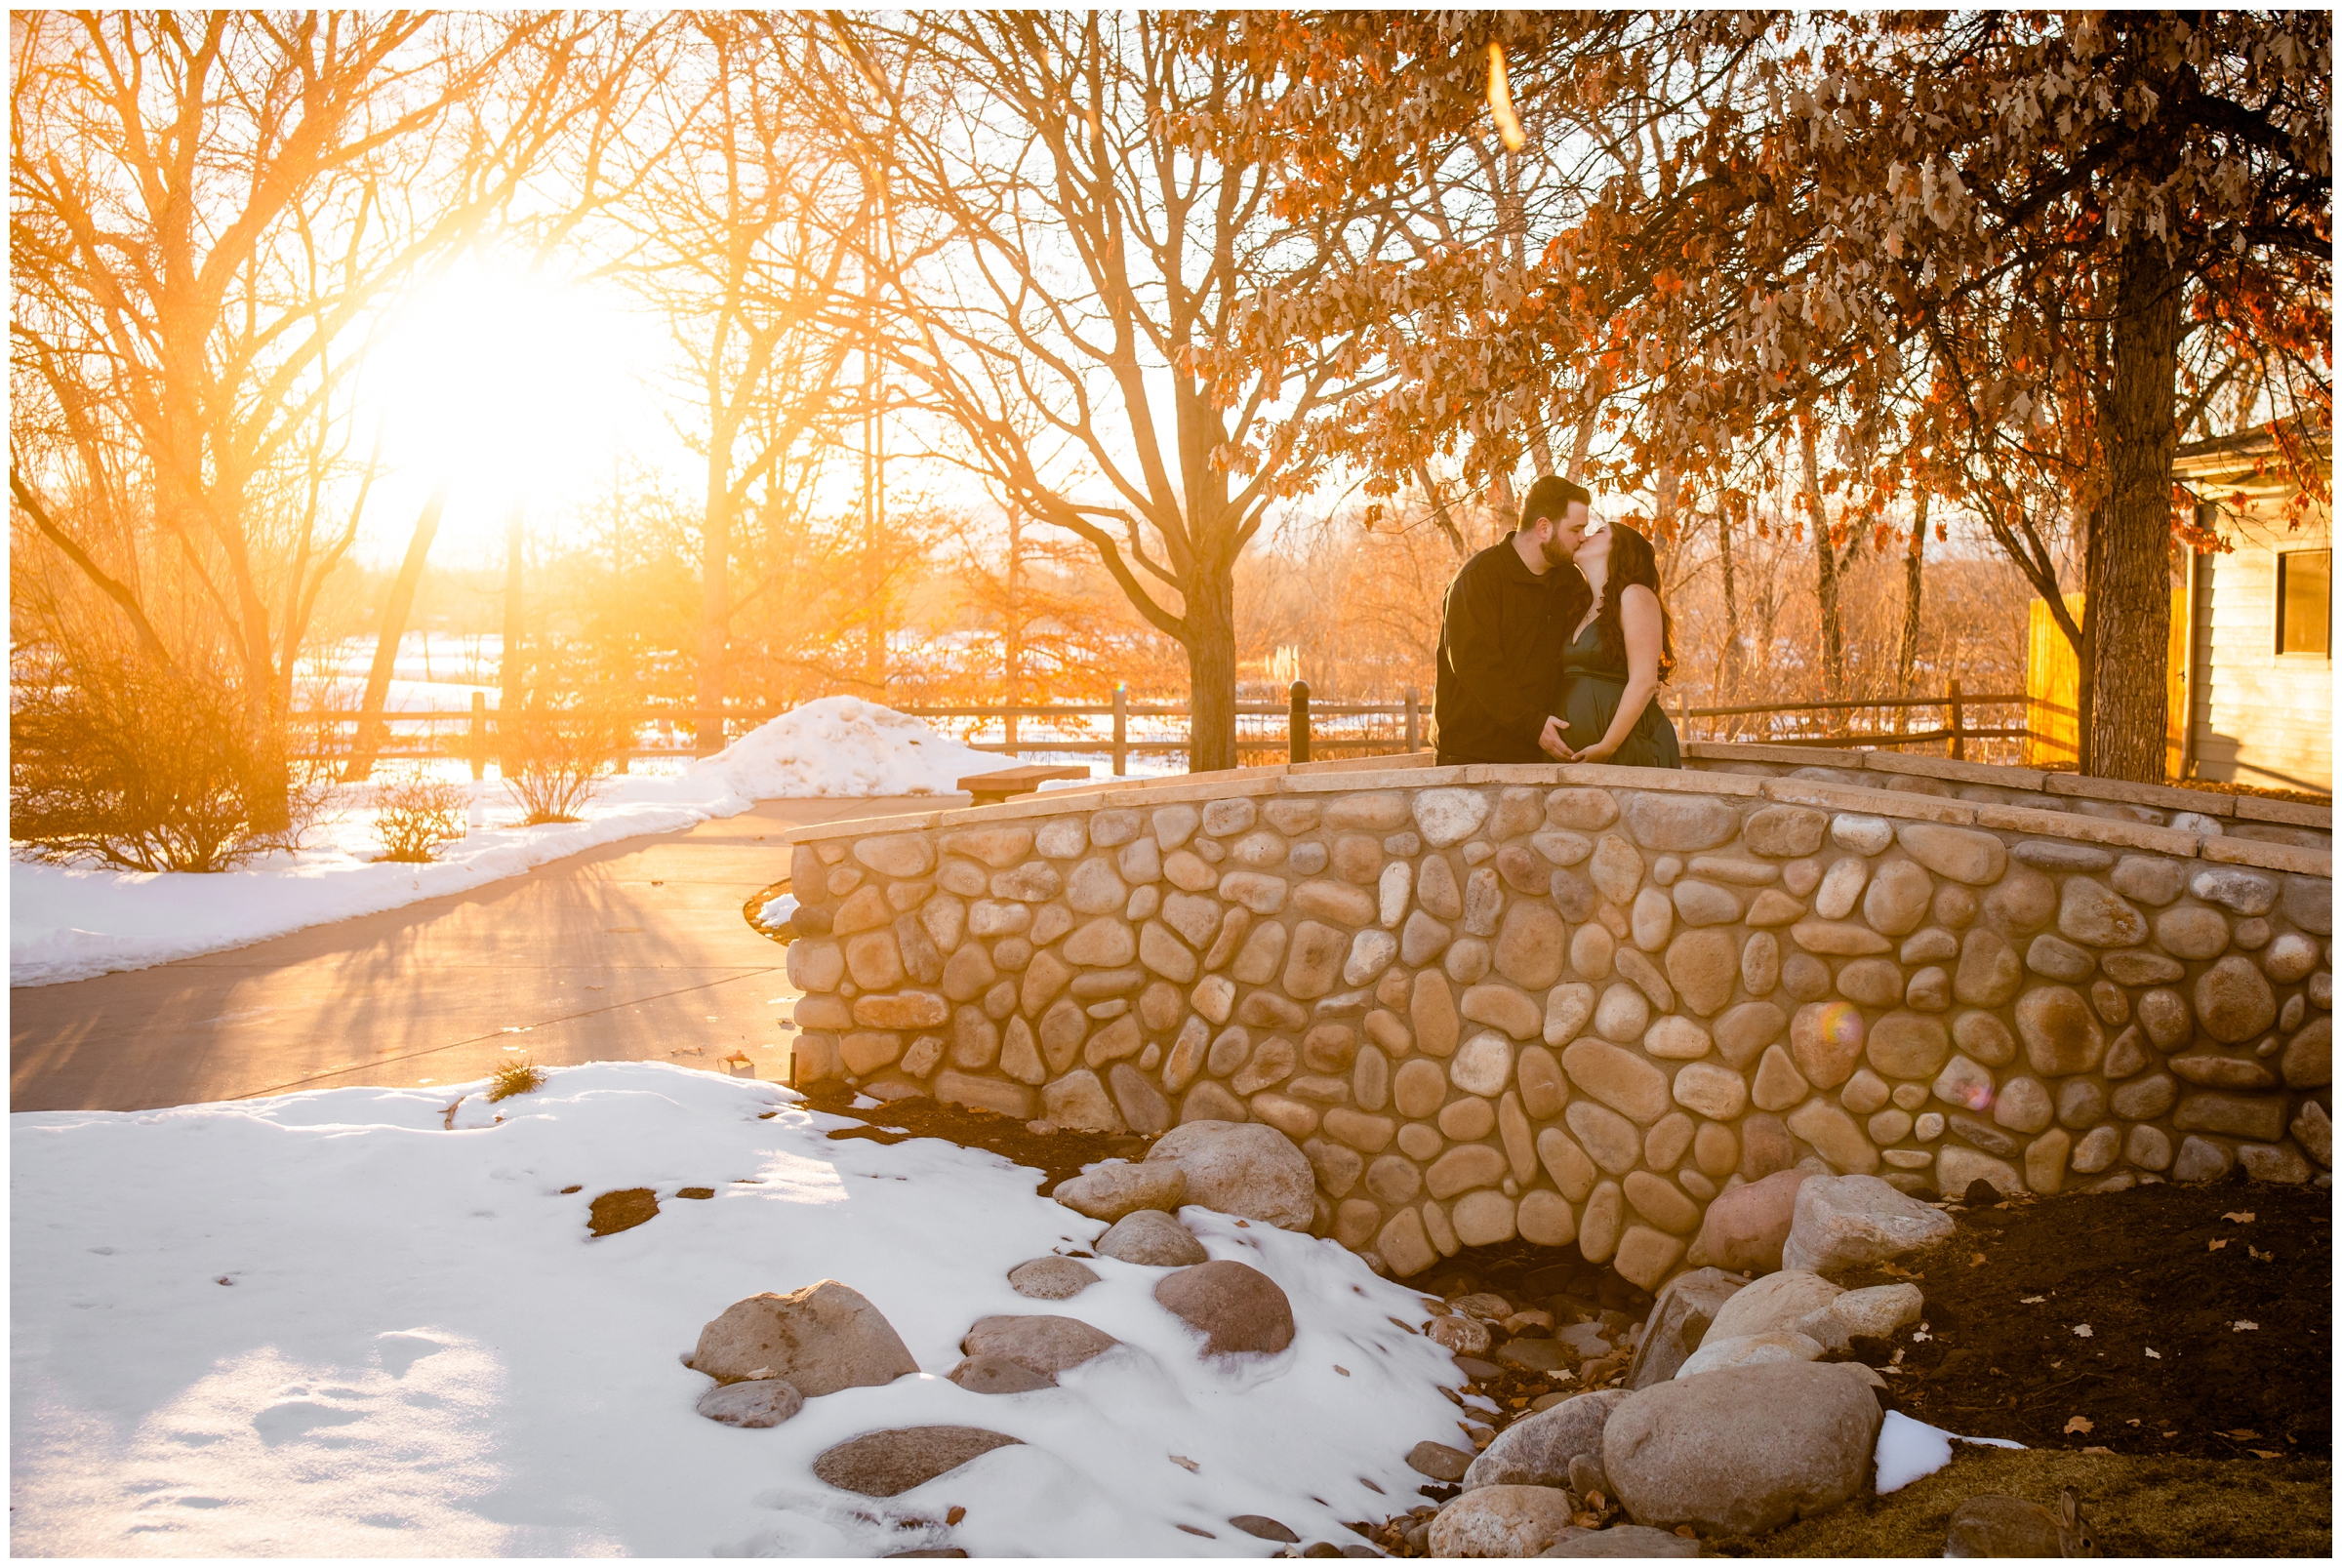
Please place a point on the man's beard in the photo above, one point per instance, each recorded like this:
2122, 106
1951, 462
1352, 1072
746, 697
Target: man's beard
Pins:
1557, 553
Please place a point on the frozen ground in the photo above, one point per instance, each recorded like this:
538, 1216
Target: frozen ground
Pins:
324, 1325
71, 923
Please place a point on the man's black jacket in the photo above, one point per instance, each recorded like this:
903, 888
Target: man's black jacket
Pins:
1501, 638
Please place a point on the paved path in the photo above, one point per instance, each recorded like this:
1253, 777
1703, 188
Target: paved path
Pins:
634, 952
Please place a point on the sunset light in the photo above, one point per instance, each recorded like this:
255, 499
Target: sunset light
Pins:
517, 386
1087, 783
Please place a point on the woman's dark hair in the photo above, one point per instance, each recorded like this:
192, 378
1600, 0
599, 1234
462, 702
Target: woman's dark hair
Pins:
1632, 560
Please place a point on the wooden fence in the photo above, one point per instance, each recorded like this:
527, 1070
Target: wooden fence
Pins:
1310, 730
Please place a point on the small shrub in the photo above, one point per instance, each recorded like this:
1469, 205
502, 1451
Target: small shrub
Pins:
514, 1079
134, 765
415, 814
564, 758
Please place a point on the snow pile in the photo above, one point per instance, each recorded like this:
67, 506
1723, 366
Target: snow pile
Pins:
843, 745
325, 1325
71, 923
1908, 1449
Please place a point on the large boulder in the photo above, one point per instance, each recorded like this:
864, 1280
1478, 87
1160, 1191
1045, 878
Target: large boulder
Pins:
1749, 1351
1745, 1449
1744, 1229
882, 1464
1037, 1342
1679, 1320
1623, 1540
1119, 1188
1501, 1521
823, 1338
1153, 1239
1775, 1302
1247, 1169
1849, 1222
1237, 1307
1536, 1450
1873, 1313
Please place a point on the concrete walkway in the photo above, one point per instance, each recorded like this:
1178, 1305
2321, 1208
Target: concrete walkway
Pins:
634, 952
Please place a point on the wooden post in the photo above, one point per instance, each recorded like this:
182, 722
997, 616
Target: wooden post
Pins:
1960, 742
1121, 728
709, 725
479, 736
1297, 724
1008, 728
1414, 719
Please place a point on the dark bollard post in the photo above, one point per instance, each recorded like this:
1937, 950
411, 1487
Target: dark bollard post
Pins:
1297, 724
1960, 742
1121, 728
479, 736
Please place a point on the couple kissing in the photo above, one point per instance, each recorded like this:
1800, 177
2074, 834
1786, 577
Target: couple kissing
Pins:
1552, 643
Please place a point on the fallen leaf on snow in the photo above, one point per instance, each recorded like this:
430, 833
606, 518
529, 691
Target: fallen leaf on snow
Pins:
954, 1515
1185, 1463
2080, 1424
2153, 1354
2244, 1325
2082, 1331
2240, 1216
1339, 1367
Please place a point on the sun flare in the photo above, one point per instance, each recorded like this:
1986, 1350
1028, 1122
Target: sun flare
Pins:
512, 386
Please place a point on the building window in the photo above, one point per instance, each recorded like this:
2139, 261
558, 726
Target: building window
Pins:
2305, 602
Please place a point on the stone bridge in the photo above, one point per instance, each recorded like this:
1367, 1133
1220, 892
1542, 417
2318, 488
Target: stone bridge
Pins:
1573, 1003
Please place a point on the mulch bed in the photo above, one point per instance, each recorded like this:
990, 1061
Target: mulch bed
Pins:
2161, 1268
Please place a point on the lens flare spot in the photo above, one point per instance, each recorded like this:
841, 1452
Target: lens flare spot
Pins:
1840, 1024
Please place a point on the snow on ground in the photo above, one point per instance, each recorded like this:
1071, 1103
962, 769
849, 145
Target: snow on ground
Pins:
69, 923
1908, 1449
418, 1350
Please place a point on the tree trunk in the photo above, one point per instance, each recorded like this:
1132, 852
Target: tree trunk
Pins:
368, 740
1730, 683
1824, 553
715, 600
509, 663
2129, 570
1210, 625
1906, 656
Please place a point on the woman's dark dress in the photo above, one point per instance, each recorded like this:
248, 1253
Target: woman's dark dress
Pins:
1591, 688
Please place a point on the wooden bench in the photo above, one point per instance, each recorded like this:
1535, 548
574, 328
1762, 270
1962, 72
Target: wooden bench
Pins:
991, 788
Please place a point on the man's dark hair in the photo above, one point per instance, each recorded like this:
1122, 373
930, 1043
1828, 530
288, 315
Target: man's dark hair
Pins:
1550, 497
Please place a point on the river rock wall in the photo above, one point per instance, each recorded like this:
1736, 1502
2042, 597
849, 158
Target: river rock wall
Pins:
1576, 1003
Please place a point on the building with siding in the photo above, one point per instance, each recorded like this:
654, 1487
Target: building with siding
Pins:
2259, 669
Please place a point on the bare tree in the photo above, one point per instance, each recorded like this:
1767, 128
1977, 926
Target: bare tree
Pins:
1071, 247
209, 212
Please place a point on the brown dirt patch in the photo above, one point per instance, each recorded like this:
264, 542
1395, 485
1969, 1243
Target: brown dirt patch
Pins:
2138, 1507
621, 1210
1058, 1156
2158, 1267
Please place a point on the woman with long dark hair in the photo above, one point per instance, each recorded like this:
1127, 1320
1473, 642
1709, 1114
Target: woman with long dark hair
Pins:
1622, 651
